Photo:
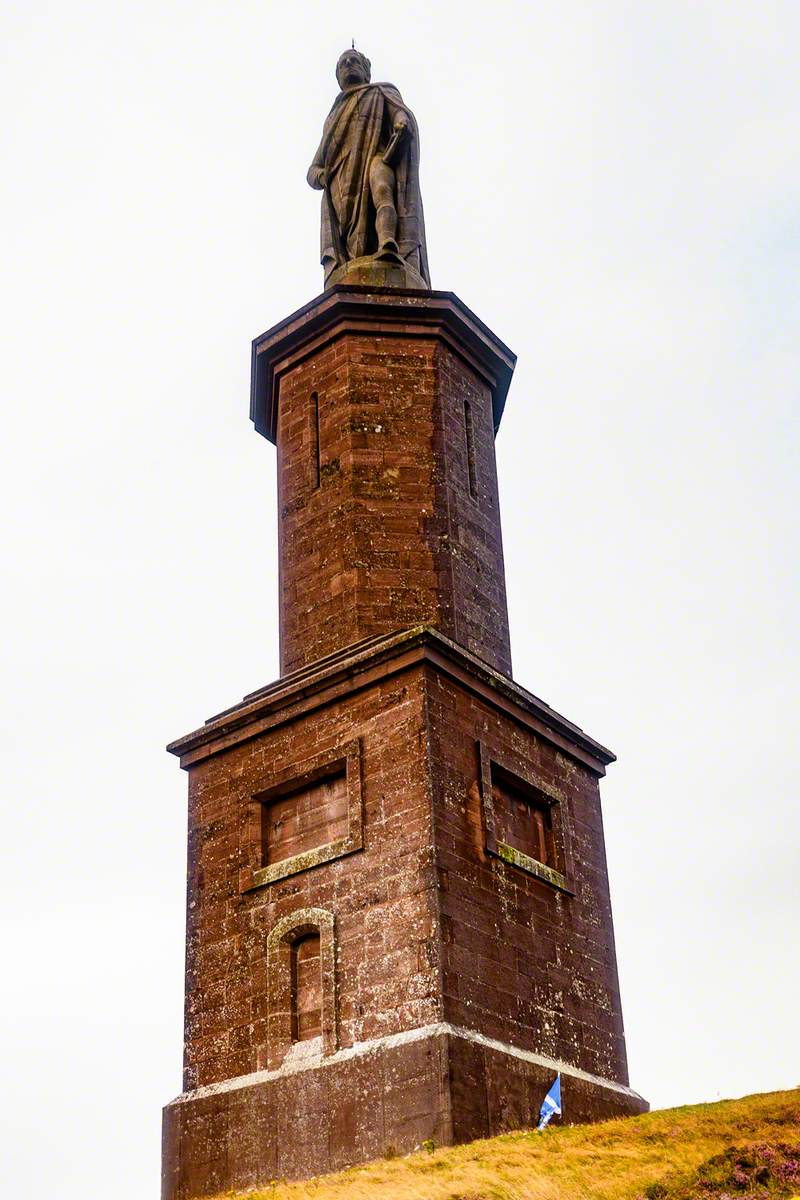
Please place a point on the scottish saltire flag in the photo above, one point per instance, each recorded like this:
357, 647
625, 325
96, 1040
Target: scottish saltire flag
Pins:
551, 1105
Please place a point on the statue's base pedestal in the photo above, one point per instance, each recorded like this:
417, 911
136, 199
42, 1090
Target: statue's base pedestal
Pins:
377, 272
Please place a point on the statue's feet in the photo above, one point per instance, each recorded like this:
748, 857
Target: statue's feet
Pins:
389, 252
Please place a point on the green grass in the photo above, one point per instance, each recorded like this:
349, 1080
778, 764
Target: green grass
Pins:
734, 1150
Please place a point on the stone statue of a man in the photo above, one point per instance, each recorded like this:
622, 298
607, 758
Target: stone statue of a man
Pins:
367, 167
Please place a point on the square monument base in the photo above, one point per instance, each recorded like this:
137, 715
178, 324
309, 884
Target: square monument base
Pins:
378, 1098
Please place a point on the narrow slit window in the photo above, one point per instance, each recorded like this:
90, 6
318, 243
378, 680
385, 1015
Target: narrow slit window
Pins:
315, 465
306, 983
473, 487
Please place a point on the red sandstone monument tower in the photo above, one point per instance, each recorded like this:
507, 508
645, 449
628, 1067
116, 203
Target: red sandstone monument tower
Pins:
398, 917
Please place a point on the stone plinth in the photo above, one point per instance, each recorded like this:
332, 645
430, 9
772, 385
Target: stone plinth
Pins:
389, 271
385, 1096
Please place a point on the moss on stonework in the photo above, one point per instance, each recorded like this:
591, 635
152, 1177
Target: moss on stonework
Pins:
374, 488
295, 506
366, 424
301, 862
331, 467
531, 865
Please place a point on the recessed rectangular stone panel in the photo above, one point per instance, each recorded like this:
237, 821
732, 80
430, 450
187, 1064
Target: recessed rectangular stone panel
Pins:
311, 817
522, 821
301, 820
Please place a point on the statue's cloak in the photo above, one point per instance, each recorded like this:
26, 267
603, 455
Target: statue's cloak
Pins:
357, 129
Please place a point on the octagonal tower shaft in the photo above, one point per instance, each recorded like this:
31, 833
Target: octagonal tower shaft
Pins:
384, 407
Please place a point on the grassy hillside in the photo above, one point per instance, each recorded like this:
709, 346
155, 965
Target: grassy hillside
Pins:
734, 1150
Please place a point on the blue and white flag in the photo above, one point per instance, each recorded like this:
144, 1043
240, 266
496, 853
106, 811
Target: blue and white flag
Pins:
551, 1105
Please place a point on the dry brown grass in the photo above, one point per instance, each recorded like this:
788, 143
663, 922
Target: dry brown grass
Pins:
615, 1160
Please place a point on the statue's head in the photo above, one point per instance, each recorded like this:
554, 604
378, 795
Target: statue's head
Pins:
352, 68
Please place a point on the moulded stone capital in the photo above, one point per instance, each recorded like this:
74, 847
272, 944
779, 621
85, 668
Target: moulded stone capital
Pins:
386, 312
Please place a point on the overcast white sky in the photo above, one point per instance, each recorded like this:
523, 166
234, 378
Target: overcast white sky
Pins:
614, 187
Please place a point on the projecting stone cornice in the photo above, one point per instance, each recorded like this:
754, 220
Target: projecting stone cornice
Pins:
382, 312
363, 664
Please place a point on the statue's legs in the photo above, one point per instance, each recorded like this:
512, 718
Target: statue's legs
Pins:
382, 185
